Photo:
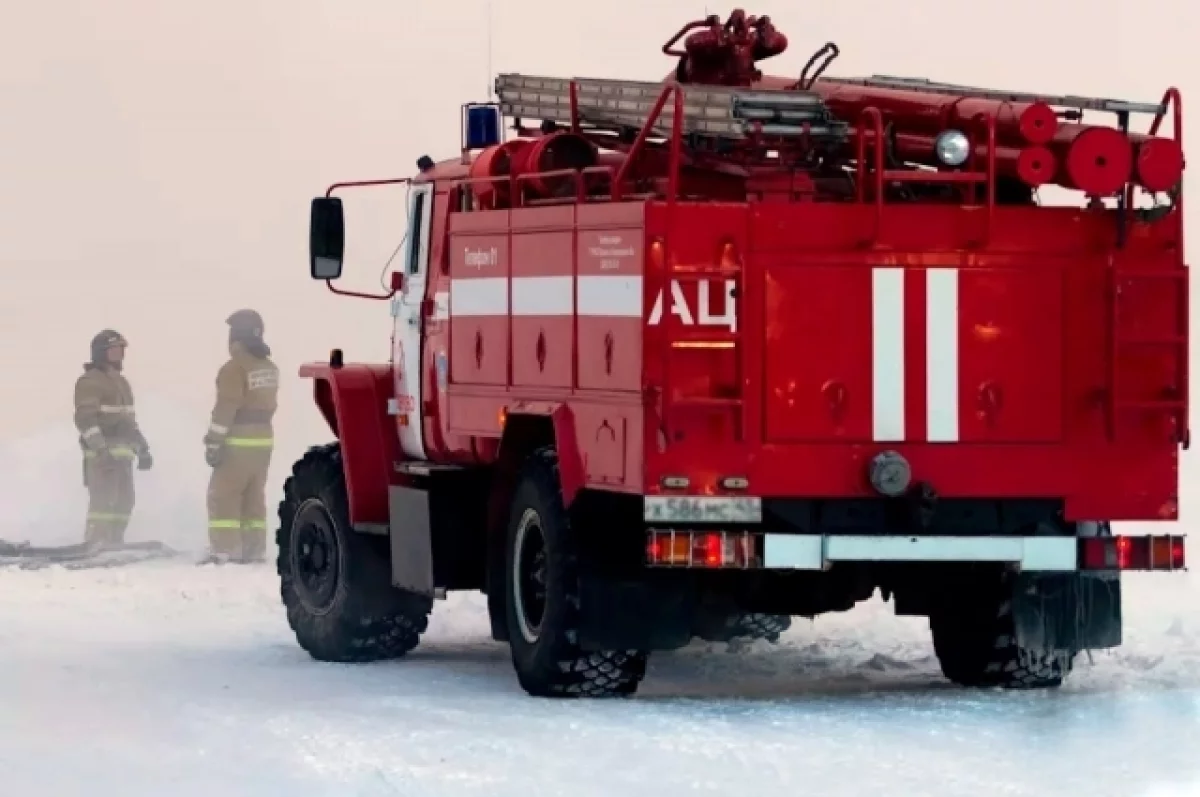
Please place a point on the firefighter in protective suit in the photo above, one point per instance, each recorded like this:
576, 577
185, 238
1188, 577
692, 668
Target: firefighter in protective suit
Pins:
239, 443
110, 439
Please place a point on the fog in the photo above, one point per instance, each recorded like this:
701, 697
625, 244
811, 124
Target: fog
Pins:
158, 159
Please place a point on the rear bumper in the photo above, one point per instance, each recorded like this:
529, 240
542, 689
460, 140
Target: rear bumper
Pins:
817, 552
749, 550
713, 532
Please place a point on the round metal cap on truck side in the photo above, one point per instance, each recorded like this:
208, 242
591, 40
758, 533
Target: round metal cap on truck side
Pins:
890, 474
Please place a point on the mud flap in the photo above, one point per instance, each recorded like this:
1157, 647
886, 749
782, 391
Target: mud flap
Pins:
1067, 612
633, 615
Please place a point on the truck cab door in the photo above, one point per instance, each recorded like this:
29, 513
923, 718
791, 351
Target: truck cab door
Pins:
407, 313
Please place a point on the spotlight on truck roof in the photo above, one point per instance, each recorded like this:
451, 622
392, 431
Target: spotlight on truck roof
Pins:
952, 147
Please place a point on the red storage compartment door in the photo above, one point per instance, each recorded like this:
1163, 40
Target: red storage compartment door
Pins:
479, 306
1010, 354
818, 353
543, 296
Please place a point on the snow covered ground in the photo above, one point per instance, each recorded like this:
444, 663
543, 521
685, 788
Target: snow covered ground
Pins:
172, 679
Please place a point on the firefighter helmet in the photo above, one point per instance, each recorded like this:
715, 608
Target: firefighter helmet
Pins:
103, 341
245, 324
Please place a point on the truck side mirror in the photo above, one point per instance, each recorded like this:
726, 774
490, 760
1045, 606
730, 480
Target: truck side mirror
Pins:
326, 238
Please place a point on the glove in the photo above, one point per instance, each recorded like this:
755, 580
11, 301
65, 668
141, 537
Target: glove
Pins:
212, 454
145, 461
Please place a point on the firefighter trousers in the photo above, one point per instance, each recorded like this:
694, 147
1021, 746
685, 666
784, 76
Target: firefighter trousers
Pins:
109, 480
237, 503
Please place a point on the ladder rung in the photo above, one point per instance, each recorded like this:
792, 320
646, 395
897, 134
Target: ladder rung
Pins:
1174, 405
702, 272
1137, 341
706, 401
1135, 274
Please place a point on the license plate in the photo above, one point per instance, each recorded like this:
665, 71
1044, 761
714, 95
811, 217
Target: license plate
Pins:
702, 509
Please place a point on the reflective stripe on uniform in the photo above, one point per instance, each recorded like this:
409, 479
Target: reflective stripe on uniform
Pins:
217, 428
250, 442
92, 431
223, 524
107, 517
117, 409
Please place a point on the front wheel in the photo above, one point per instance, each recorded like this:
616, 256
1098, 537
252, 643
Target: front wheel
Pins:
335, 582
542, 597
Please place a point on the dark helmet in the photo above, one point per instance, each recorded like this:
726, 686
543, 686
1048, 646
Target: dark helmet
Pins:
245, 324
246, 328
105, 340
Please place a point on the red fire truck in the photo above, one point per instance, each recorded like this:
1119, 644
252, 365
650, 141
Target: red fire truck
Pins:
692, 355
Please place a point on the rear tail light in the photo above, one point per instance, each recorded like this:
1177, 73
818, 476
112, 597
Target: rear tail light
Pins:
708, 549
1159, 552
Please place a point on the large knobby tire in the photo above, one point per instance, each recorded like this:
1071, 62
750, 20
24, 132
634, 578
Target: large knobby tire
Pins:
542, 597
975, 641
335, 582
744, 627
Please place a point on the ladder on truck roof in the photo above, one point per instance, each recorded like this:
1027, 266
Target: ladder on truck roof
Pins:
1000, 95
623, 105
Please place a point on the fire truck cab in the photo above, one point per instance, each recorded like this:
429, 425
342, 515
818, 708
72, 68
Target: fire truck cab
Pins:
689, 358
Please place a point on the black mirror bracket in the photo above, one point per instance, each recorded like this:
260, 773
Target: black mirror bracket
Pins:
327, 237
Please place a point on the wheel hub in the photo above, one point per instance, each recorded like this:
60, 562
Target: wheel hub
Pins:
529, 576
314, 556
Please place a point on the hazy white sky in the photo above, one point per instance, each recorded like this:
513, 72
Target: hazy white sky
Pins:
158, 157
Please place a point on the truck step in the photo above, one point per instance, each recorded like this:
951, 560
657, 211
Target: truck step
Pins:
412, 468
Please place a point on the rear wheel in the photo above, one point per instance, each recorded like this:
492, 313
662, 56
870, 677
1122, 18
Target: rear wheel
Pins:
335, 582
974, 637
542, 597
743, 626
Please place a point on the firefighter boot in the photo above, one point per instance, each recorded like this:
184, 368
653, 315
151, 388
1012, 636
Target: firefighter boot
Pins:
214, 558
254, 542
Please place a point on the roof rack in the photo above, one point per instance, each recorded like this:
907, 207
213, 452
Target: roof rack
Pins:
1063, 100
621, 105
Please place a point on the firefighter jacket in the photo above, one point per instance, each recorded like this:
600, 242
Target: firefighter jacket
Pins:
247, 396
104, 413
